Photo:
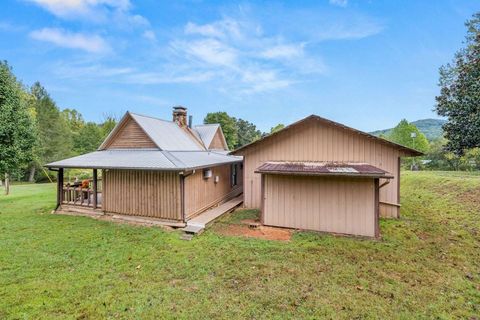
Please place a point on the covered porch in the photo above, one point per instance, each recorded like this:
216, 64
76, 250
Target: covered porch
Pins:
85, 193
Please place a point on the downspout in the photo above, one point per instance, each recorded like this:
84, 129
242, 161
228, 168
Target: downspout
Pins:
182, 192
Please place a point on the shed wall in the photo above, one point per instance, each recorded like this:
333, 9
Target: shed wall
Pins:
315, 141
142, 193
201, 194
339, 205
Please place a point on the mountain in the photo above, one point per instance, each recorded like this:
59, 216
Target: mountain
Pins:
431, 128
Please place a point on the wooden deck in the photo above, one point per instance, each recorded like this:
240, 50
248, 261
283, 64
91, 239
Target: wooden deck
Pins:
197, 224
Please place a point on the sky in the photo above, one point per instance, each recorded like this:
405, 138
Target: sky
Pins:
366, 64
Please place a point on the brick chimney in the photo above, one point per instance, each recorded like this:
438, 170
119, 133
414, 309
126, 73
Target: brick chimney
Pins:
180, 116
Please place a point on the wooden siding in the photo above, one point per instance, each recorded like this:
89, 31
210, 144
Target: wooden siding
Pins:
315, 141
338, 205
154, 194
130, 135
201, 194
218, 142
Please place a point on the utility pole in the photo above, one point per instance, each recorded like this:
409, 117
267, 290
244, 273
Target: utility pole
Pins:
413, 135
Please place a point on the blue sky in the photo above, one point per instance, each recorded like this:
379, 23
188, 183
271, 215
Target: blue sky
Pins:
366, 64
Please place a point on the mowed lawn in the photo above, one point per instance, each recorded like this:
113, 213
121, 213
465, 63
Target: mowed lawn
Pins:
427, 264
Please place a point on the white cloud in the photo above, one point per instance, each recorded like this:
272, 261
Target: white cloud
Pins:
284, 51
340, 3
62, 38
210, 51
150, 35
72, 8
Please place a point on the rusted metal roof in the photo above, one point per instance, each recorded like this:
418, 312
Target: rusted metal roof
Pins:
351, 169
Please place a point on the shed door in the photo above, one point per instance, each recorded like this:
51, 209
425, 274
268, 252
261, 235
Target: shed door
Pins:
329, 204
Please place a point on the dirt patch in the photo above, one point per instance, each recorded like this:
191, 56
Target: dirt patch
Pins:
260, 232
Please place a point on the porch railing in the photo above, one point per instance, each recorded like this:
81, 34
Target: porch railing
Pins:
79, 196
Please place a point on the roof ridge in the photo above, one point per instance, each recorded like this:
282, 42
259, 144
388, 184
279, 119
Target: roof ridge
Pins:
206, 124
151, 117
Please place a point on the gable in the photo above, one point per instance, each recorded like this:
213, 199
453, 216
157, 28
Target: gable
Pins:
403, 151
129, 135
218, 141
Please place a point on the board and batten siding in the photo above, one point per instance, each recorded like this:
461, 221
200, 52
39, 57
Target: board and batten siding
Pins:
130, 136
201, 193
338, 205
318, 141
155, 194
218, 143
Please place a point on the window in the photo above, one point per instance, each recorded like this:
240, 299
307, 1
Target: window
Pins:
234, 176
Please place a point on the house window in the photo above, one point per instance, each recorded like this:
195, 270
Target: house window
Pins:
234, 176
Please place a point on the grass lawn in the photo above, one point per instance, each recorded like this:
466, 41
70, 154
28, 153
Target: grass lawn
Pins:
427, 264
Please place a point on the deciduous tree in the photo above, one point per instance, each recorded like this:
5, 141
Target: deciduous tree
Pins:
459, 98
17, 130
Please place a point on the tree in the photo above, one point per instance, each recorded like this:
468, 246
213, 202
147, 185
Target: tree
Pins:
247, 132
109, 122
459, 98
401, 134
90, 138
17, 130
228, 125
278, 127
54, 134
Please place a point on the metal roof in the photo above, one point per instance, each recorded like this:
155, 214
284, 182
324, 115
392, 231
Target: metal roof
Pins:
206, 132
350, 169
314, 117
146, 159
166, 135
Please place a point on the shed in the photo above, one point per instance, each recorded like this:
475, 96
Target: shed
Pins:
317, 174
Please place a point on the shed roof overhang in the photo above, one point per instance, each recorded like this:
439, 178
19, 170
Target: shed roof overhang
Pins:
344, 169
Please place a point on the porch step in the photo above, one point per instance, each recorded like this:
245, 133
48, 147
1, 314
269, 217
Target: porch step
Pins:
197, 225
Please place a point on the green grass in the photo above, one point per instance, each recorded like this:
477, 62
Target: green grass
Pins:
426, 265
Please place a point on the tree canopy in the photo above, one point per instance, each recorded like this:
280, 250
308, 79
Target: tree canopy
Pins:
278, 127
17, 129
460, 93
402, 134
228, 125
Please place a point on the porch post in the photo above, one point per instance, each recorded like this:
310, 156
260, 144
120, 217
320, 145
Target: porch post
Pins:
59, 187
376, 184
94, 188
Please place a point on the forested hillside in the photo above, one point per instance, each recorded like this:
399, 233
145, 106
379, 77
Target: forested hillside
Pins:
431, 128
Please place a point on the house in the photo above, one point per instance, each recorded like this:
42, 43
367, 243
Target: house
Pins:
170, 171
316, 174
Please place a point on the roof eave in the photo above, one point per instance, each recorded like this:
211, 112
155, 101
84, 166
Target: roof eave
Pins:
350, 175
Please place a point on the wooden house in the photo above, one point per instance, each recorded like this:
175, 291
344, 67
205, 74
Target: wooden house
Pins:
170, 171
320, 175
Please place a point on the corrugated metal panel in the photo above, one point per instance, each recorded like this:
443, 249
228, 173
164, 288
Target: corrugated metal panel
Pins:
317, 141
323, 168
125, 158
206, 132
166, 134
192, 159
146, 159
329, 204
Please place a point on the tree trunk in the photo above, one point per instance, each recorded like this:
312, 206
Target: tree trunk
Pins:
7, 184
31, 177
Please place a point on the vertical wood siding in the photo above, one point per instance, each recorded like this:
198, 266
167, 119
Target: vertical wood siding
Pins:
142, 193
201, 194
315, 141
339, 205
218, 142
130, 135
